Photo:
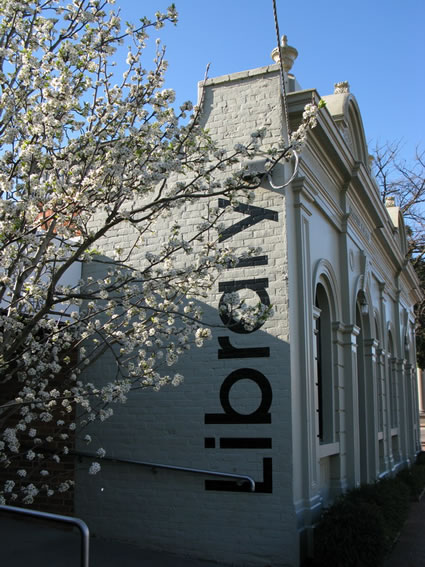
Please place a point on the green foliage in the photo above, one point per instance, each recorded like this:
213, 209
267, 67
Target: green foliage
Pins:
362, 525
420, 459
414, 477
350, 534
392, 497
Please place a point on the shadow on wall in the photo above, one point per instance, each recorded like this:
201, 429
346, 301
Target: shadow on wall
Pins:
231, 414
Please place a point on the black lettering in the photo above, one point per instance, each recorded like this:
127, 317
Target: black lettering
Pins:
251, 261
227, 350
256, 215
239, 443
258, 286
230, 415
245, 443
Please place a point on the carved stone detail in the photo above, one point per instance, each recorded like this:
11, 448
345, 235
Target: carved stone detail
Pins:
342, 88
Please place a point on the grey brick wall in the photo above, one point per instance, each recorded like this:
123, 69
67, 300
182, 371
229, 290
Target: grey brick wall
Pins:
232, 413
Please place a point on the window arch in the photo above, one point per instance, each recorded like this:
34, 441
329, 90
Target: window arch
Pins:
324, 366
326, 311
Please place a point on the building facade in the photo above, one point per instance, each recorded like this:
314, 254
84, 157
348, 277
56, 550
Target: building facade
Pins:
318, 399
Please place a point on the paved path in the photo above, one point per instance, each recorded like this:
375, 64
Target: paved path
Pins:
409, 551
27, 543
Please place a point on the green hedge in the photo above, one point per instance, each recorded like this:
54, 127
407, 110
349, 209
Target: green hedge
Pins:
361, 527
415, 480
350, 534
392, 498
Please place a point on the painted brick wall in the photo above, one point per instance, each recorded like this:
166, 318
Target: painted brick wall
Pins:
232, 412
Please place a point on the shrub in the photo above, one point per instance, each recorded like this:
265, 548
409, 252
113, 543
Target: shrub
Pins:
415, 480
350, 534
392, 497
420, 459
362, 525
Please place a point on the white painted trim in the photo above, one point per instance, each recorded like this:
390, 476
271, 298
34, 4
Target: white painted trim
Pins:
328, 449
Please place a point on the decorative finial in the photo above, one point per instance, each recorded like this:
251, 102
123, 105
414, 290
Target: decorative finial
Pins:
288, 54
390, 201
341, 88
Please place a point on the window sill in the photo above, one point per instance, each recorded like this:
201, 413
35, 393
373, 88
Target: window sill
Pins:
328, 449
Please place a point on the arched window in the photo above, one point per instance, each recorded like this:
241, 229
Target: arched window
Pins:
324, 367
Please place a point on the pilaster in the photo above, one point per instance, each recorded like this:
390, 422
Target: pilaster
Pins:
350, 334
384, 433
308, 509
370, 347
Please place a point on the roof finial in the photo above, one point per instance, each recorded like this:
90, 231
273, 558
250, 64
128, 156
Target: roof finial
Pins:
342, 87
288, 54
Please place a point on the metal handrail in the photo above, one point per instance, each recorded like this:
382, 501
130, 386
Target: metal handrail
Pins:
205, 472
81, 525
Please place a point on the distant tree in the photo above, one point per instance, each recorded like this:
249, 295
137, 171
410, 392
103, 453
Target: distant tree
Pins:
405, 182
420, 316
83, 153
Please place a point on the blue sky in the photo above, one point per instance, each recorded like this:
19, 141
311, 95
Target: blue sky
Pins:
377, 45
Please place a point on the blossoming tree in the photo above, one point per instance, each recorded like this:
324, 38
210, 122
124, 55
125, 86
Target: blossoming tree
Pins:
84, 152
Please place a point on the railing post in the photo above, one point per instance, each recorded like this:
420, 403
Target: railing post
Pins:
81, 525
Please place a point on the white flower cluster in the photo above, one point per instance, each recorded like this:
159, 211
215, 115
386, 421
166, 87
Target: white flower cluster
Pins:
299, 137
201, 335
94, 468
82, 158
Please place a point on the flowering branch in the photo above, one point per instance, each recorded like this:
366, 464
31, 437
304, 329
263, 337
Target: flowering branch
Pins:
84, 155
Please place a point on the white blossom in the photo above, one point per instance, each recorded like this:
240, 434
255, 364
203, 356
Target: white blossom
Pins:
82, 159
9, 485
94, 468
